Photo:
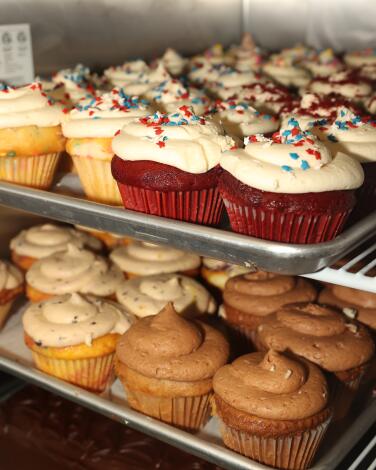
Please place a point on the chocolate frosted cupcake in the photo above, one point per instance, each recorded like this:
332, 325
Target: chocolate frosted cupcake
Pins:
249, 298
273, 408
322, 335
166, 364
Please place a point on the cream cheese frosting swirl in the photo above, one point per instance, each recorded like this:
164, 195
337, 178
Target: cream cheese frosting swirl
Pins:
104, 115
247, 55
171, 94
229, 81
239, 119
76, 82
262, 293
284, 70
346, 83
74, 270
323, 64
167, 346
353, 135
143, 259
129, 72
73, 319
147, 295
10, 276
173, 61
272, 386
184, 140
44, 240
319, 334
27, 106
293, 162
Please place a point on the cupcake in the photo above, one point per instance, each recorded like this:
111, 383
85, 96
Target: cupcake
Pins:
246, 55
72, 270
355, 303
288, 188
76, 83
166, 365
111, 240
204, 73
347, 83
73, 337
217, 272
44, 240
148, 295
249, 298
174, 62
168, 165
30, 136
272, 408
230, 81
265, 97
355, 135
323, 64
11, 286
143, 259
170, 95
341, 347
285, 71
359, 58
214, 55
89, 128
239, 119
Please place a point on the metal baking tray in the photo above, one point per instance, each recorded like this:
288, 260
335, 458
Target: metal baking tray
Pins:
15, 358
67, 204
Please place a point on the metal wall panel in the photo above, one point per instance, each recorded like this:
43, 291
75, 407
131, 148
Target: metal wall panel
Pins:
106, 32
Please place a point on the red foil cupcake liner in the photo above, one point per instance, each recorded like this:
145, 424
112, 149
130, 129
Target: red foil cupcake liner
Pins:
285, 227
203, 206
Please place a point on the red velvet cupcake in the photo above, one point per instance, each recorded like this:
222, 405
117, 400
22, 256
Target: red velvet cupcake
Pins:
168, 165
288, 188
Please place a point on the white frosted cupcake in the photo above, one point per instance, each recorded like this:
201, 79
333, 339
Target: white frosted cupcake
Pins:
266, 97
174, 62
127, 73
231, 81
323, 64
89, 128
246, 55
31, 140
148, 295
75, 82
11, 286
74, 337
285, 71
239, 119
143, 259
72, 270
359, 58
44, 240
170, 95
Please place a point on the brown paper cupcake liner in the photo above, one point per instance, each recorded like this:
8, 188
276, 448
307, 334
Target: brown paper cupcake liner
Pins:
293, 452
94, 374
188, 413
35, 171
97, 180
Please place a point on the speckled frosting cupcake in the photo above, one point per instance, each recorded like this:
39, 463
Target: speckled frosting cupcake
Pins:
44, 240
72, 270
73, 337
289, 188
322, 335
240, 120
249, 298
31, 140
167, 363
89, 128
148, 295
168, 165
272, 408
11, 286
143, 259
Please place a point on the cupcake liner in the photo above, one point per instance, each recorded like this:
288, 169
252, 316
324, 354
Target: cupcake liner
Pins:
94, 374
293, 451
189, 413
285, 227
4, 312
343, 393
97, 181
202, 206
35, 171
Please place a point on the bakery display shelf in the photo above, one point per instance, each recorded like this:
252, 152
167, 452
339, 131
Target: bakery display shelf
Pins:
15, 359
66, 203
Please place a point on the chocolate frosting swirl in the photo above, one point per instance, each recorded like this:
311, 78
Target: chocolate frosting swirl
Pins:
319, 334
262, 293
363, 302
167, 346
272, 386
